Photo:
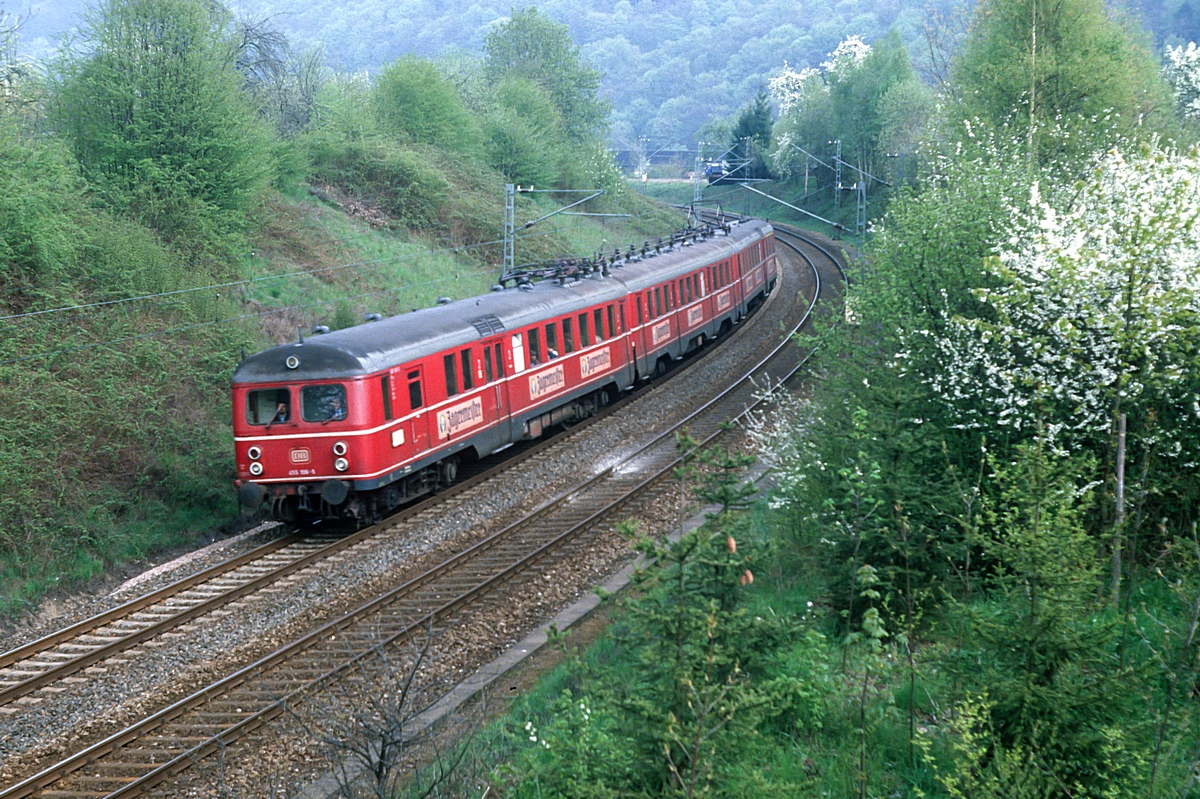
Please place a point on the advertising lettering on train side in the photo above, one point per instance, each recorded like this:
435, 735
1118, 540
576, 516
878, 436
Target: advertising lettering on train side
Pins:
546, 382
595, 362
660, 332
460, 417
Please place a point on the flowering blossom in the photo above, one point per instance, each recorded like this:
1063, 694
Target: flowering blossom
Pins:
846, 57
1182, 71
1097, 289
791, 87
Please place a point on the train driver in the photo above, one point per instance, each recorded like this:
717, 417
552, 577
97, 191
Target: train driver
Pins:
336, 411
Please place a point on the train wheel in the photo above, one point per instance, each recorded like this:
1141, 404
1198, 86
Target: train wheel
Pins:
284, 509
449, 471
662, 365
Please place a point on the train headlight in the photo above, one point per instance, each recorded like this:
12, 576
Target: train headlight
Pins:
256, 468
255, 453
339, 448
341, 464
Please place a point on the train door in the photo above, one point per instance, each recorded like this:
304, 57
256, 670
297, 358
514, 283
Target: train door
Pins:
419, 424
494, 373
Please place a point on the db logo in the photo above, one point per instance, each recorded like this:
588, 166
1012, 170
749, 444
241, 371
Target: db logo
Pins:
300, 455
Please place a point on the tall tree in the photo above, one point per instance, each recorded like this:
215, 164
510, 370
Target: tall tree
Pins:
531, 45
1042, 61
751, 136
153, 105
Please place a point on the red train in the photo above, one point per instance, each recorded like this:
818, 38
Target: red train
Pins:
352, 423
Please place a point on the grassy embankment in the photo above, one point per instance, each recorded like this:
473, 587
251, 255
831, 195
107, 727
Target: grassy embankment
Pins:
114, 437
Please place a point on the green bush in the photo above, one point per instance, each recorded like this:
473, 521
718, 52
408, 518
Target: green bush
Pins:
414, 99
153, 107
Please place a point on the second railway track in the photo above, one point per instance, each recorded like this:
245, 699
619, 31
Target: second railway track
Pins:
164, 743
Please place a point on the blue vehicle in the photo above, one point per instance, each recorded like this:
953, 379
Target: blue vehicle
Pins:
714, 172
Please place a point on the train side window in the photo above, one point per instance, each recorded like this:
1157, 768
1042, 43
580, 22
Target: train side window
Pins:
682, 292
465, 357
701, 276
451, 378
415, 400
584, 338
551, 341
385, 383
535, 347
612, 328
598, 318
667, 304
658, 307
323, 403
487, 365
638, 302
568, 336
499, 360
621, 309
518, 350
263, 406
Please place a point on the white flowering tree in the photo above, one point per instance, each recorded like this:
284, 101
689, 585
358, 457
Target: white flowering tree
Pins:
1097, 314
839, 100
1182, 71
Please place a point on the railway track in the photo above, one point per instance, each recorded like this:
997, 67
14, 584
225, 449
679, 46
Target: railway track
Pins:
153, 750
43, 663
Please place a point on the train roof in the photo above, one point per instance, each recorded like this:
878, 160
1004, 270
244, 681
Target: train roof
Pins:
374, 346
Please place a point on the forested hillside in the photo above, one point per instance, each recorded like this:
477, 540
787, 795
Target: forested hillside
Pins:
667, 68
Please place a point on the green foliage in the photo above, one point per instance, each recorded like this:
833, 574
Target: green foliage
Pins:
1036, 64
526, 139
532, 46
1043, 650
751, 136
411, 97
698, 681
152, 106
847, 100
39, 189
402, 181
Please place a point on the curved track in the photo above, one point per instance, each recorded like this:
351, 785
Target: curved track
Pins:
151, 751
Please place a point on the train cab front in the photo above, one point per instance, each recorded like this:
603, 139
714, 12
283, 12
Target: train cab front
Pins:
294, 439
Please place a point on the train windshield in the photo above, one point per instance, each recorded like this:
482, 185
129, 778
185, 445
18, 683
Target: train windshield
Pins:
323, 403
268, 406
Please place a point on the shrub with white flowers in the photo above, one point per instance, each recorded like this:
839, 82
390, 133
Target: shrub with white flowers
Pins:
1098, 300
1182, 71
